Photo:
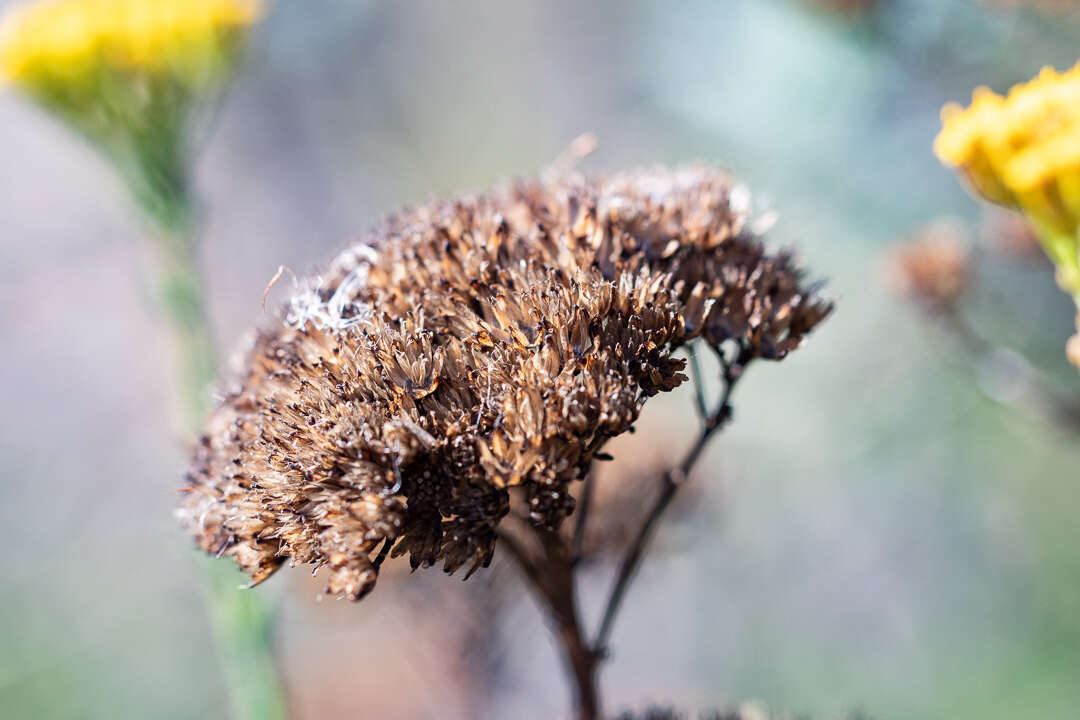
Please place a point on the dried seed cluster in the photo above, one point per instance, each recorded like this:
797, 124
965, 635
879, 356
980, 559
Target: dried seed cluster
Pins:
466, 349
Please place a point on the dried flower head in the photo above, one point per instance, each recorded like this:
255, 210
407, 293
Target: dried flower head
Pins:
472, 348
933, 266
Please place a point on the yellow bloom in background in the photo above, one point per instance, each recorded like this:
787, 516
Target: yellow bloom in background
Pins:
67, 38
126, 74
1022, 151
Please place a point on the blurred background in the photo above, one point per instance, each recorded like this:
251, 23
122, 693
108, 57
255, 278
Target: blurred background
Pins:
885, 527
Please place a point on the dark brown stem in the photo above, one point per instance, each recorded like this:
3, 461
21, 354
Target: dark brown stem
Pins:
585, 501
580, 658
583, 515
697, 379
383, 552
669, 485
552, 578
550, 568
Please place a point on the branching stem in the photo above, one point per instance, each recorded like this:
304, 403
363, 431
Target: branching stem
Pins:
669, 485
550, 569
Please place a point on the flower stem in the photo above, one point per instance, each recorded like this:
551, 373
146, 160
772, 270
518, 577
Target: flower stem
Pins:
551, 578
671, 481
241, 620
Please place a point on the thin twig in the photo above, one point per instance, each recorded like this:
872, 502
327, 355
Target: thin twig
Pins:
670, 483
582, 515
587, 491
699, 384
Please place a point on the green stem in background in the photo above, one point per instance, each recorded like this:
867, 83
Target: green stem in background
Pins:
1064, 251
242, 622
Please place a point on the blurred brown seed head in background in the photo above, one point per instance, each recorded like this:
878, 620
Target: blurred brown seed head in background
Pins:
466, 349
933, 266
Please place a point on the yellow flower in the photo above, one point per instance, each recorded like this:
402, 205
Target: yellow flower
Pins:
1023, 151
73, 39
126, 74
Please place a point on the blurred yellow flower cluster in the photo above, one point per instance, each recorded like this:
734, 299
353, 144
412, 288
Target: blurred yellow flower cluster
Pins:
73, 39
127, 75
1023, 151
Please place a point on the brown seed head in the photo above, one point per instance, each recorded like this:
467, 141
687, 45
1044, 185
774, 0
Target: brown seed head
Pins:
466, 349
933, 266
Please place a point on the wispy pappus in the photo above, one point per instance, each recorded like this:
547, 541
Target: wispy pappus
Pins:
468, 348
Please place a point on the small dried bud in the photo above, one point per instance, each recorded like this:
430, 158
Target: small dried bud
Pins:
933, 267
468, 348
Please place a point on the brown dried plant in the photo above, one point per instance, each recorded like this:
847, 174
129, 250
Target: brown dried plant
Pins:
467, 361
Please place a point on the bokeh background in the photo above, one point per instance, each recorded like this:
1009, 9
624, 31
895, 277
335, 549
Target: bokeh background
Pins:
881, 528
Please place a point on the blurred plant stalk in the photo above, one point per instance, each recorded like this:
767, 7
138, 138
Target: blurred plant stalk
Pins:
128, 75
242, 621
